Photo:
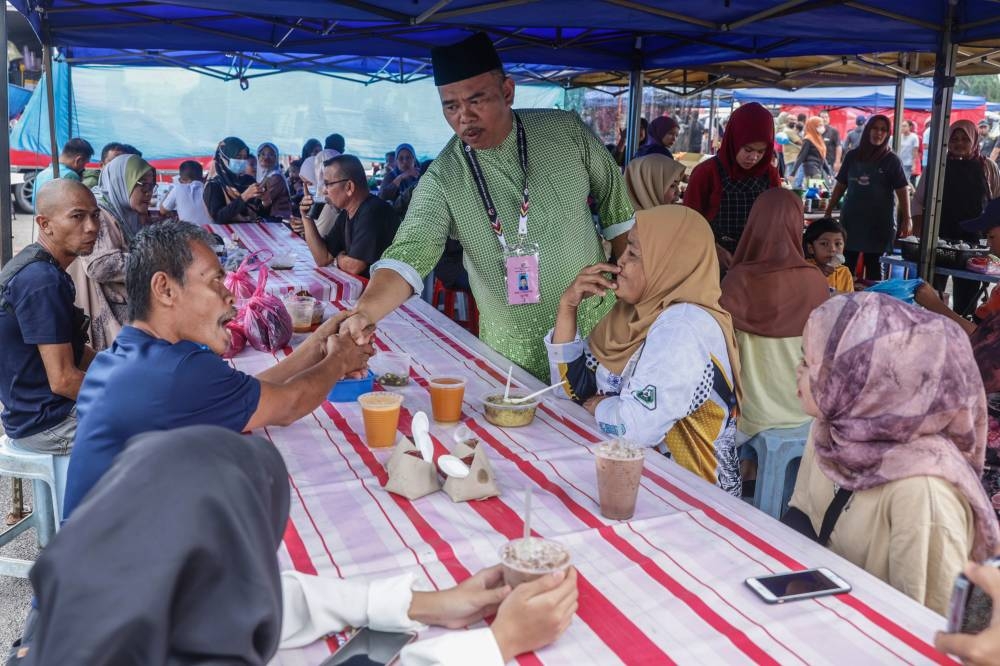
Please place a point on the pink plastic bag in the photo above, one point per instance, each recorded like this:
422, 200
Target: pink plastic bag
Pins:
240, 282
238, 341
266, 321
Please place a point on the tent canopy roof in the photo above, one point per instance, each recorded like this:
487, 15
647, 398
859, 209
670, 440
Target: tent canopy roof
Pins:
632, 33
918, 96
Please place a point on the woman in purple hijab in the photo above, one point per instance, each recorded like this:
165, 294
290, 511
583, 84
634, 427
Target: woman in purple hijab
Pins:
900, 421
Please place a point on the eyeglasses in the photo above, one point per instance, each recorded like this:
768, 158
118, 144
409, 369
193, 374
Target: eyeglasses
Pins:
331, 183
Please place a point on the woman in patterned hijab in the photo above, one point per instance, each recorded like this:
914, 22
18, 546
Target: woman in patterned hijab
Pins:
897, 395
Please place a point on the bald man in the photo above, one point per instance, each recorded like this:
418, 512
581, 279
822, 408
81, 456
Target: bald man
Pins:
43, 343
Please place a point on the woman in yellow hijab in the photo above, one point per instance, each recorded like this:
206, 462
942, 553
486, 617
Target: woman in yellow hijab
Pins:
653, 180
662, 368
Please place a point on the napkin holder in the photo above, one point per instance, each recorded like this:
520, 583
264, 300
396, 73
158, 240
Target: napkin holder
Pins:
481, 482
409, 474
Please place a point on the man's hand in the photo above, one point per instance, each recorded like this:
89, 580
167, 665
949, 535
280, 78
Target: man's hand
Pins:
305, 204
981, 649
536, 613
359, 327
590, 282
251, 192
297, 226
469, 602
352, 357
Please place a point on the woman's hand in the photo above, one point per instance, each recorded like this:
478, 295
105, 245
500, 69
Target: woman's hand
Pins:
466, 603
590, 282
251, 192
536, 613
591, 403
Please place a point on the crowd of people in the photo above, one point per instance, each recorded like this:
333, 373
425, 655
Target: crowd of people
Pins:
113, 325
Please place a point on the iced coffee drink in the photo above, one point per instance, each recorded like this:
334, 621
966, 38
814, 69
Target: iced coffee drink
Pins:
525, 560
619, 470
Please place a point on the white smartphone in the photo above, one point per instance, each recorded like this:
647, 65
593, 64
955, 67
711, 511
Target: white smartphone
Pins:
795, 585
371, 648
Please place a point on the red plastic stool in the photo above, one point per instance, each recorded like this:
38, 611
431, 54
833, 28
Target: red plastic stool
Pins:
445, 299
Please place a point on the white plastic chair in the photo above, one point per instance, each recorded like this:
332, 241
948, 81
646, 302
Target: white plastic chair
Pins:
44, 517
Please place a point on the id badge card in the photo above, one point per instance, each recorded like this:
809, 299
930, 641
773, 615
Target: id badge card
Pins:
522, 274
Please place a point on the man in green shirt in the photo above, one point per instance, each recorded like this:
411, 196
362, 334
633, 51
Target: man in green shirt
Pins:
542, 162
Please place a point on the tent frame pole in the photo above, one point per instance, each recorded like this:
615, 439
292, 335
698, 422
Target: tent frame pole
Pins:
6, 210
944, 88
50, 96
713, 112
897, 125
634, 107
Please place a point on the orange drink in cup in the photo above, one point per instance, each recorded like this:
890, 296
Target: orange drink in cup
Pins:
447, 394
381, 413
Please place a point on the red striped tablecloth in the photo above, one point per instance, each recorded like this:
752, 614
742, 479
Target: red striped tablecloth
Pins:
322, 283
666, 587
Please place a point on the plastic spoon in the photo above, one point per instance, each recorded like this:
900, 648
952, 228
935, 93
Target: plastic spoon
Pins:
421, 429
506, 391
453, 466
518, 401
462, 434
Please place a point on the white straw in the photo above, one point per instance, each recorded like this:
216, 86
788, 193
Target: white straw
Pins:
536, 393
506, 391
527, 512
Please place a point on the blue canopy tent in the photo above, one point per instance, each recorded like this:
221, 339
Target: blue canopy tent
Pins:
918, 96
628, 35
18, 98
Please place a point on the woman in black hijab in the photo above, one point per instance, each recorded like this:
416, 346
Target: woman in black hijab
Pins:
233, 195
171, 559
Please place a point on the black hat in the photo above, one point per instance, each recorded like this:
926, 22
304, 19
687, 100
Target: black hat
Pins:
989, 219
984, 123
470, 57
860, 120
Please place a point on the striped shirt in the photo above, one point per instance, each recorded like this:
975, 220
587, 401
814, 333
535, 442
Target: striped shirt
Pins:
566, 163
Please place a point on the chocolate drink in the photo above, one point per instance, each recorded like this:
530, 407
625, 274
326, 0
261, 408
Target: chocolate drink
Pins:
525, 560
619, 469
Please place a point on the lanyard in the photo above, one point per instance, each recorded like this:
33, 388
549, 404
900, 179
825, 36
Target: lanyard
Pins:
484, 192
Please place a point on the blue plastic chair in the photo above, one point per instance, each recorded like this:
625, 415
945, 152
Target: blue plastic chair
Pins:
778, 454
44, 517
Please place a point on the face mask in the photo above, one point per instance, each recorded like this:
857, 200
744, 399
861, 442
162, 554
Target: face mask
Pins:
237, 166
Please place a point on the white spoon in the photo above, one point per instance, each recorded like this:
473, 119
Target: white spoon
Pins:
518, 401
453, 466
421, 429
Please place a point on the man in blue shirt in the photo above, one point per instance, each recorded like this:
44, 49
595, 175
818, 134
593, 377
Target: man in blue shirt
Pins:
72, 160
164, 370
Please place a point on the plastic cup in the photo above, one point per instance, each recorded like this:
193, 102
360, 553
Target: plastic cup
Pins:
525, 560
447, 394
301, 309
392, 369
381, 413
619, 470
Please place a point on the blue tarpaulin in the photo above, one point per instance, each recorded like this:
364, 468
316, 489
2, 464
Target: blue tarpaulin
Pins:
174, 113
917, 96
614, 35
17, 99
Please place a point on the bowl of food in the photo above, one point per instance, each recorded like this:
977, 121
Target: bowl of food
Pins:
392, 369
506, 413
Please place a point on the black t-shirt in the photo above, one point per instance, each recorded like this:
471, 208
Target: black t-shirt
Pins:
831, 137
366, 235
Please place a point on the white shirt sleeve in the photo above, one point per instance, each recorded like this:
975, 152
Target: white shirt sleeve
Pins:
663, 386
560, 354
455, 648
314, 607
170, 201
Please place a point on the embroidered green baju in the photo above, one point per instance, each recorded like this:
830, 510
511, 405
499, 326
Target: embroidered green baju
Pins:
566, 163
